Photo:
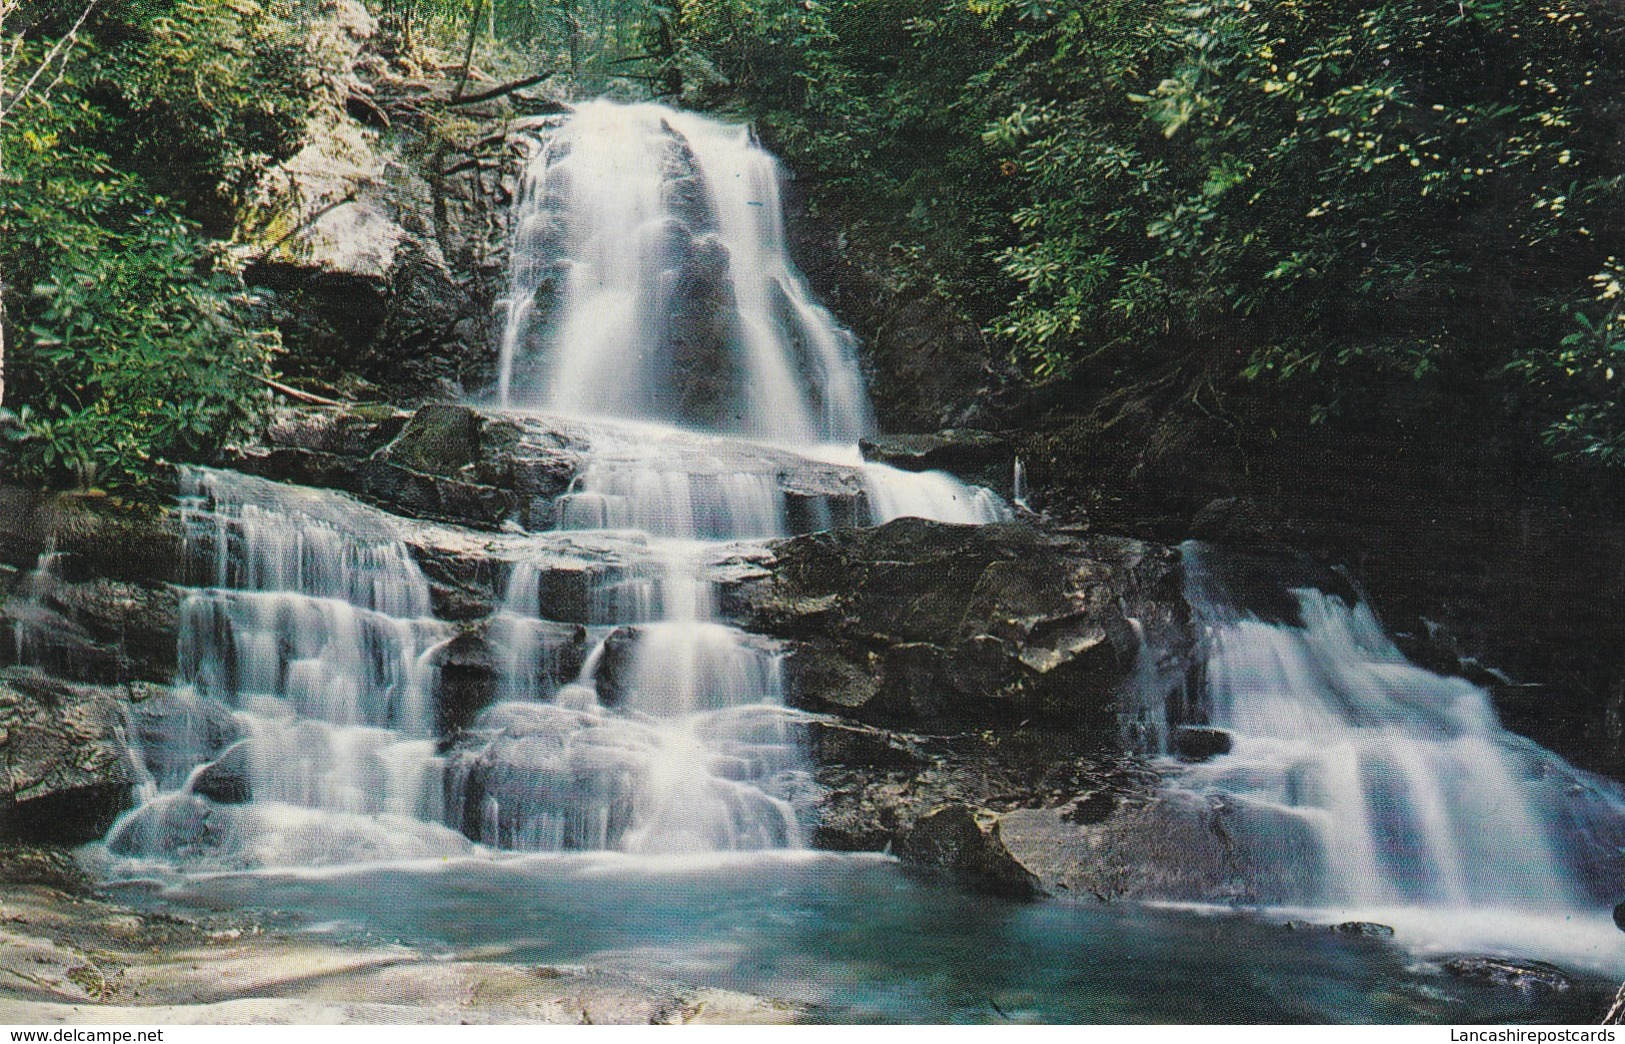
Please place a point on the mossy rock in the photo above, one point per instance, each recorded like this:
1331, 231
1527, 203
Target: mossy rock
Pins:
439, 440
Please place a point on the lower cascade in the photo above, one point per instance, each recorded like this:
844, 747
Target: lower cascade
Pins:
1354, 779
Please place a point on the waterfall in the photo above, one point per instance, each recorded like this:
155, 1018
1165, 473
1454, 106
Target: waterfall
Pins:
650, 279
310, 621
652, 299
650, 282
1376, 783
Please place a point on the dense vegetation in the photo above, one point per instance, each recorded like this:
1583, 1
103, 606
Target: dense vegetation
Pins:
1344, 197
130, 134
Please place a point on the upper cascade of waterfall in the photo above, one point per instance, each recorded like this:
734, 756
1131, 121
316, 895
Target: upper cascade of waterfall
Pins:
1365, 781
650, 279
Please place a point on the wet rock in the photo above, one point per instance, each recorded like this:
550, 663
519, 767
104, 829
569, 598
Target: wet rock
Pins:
966, 842
980, 457
1094, 807
615, 668
351, 431
1364, 929
226, 781
397, 489
67, 773
829, 678
837, 742
175, 730
50, 867
1241, 521
1198, 743
1529, 976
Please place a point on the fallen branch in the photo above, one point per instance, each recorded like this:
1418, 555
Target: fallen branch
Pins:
302, 396
498, 92
463, 166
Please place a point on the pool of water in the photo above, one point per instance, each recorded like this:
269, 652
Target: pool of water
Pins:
862, 939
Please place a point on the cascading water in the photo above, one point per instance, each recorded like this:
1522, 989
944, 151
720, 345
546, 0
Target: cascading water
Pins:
1367, 783
650, 288
310, 621
650, 279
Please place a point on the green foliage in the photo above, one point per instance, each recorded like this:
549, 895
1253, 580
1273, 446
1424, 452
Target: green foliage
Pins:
128, 340
1583, 376
1342, 197
1328, 187
212, 95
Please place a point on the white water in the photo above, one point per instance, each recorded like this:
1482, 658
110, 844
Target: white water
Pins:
1377, 787
650, 282
311, 623
652, 241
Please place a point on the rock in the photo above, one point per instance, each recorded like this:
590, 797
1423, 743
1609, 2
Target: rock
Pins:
175, 730
50, 867
837, 742
829, 678
979, 457
139, 621
1241, 521
966, 842
439, 440
615, 668
1529, 976
1619, 916
349, 431
1094, 807
397, 489
67, 773
1198, 743
1364, 929
226, 780
920, 625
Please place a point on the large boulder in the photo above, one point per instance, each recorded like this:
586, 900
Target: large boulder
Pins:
928, 626
968, 845
67, 773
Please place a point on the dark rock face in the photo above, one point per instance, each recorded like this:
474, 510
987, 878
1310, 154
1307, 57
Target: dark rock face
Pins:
928, 364
226, 780
104, 611
1529, 976
1475, 553
880, 784
438, 440
968, 845
926, 626
1194, 743
400, 325
67, 775
445, 463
